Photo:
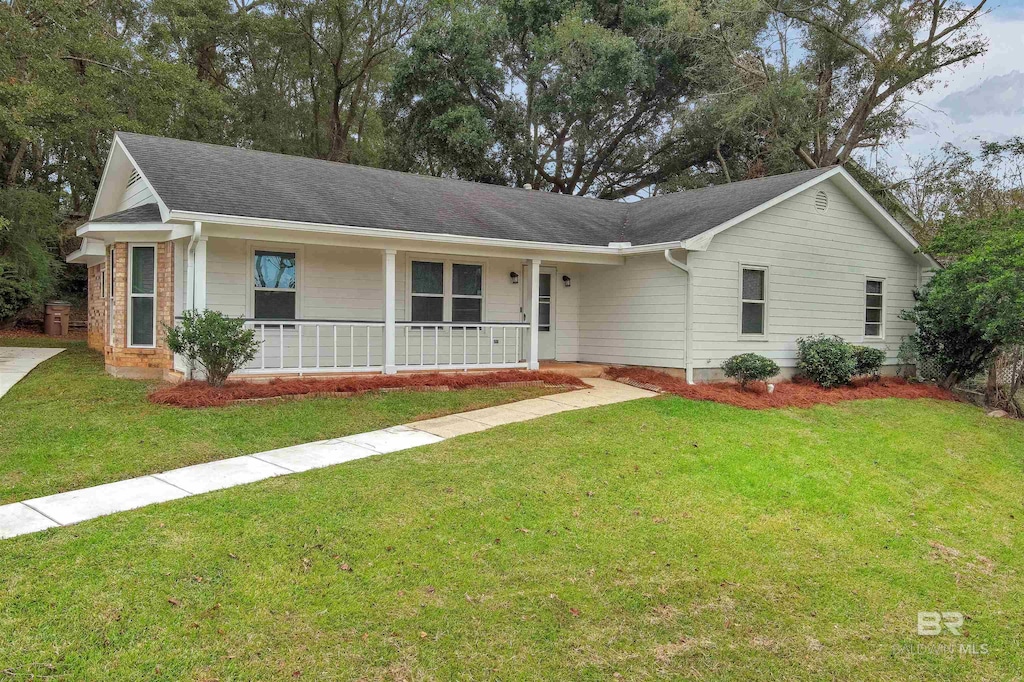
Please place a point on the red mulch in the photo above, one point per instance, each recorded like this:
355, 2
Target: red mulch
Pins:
787, 393
201, 394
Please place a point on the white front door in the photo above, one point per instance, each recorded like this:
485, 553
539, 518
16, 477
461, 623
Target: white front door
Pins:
546, 319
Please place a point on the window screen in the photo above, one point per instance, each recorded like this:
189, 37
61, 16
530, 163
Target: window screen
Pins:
752, 302
467, 293
873, 307
275, 274
142, 296
427, 291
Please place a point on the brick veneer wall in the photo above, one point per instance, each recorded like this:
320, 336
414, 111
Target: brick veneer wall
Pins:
121, 360
97, 309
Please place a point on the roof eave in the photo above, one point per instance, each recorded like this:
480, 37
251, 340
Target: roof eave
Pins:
407, 235
90, 252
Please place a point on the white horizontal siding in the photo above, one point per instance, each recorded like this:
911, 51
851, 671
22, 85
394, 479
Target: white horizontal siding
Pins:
633, 314
817, 267
338, 283
567, 312
138, 194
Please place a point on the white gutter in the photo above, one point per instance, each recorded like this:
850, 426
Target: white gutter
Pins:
190, 255
687, 350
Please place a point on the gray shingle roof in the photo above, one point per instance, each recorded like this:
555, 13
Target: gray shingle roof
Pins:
205, 178
687, 214
146, 213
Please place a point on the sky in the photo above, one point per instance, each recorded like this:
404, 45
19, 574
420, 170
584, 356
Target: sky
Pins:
983, 100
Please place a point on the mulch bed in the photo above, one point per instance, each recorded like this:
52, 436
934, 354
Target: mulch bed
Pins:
201, 394
787, 393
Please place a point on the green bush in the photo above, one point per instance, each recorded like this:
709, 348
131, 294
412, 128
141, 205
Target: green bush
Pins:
825, 360
749, 367
16, 292
218, 343
868, 360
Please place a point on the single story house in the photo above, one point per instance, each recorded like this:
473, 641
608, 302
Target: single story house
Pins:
342, 268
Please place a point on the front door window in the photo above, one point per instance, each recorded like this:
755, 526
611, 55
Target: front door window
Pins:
544, 320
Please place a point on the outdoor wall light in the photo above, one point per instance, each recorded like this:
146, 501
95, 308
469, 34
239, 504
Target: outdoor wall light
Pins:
566, 281
514, 276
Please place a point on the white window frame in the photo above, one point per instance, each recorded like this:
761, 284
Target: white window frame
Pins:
553, 272
885, 298
763, 336
251, 288
130, 294
446, 287
109, 293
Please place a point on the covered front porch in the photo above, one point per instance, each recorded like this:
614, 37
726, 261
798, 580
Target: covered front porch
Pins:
332, 308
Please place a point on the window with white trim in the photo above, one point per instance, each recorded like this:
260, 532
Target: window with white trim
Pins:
427, 291
110, 296
142, 295
874, 307
441, 290
467, 293
544, 300
275, 274
753, 300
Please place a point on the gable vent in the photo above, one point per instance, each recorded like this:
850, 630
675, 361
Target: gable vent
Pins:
821, 202
133, 178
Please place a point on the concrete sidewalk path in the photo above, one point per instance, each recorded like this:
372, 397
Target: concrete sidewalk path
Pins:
15, 363
71, 507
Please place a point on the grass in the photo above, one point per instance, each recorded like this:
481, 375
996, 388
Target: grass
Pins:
660, 538
69, 425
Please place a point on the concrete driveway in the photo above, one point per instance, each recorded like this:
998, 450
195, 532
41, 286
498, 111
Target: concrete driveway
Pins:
15, 363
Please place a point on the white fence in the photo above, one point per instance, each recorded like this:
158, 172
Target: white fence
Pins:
456, 345
308, 346
311, 346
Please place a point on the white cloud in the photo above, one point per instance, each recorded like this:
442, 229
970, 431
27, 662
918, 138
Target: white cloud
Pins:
1000, 95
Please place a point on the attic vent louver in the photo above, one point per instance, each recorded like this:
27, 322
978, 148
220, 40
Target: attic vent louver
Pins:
821, 202
133, 178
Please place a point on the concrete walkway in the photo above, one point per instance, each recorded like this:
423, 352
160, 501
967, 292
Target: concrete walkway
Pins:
15, 363
79, 505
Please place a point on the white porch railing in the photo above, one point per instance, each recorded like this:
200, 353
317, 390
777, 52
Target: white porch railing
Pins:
310, 346
460, 345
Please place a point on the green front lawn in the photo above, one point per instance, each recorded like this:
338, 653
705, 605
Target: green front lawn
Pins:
69, 425
656, 539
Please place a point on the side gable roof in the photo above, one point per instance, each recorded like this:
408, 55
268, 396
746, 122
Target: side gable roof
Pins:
205, 178
192, 179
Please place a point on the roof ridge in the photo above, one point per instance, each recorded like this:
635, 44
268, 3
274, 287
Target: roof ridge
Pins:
733, 183
312, 159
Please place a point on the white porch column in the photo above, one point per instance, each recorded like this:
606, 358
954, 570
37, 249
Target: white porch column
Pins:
532, 360
389, 311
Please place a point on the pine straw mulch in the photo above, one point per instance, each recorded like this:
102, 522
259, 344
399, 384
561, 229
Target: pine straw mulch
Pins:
787, 393
201, 394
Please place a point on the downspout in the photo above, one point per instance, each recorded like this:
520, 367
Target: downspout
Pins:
687, 351
190, 277
190, 259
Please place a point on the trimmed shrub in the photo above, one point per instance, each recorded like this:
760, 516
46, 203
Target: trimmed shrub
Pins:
218, 343
868, 360
826, 360
749, 367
